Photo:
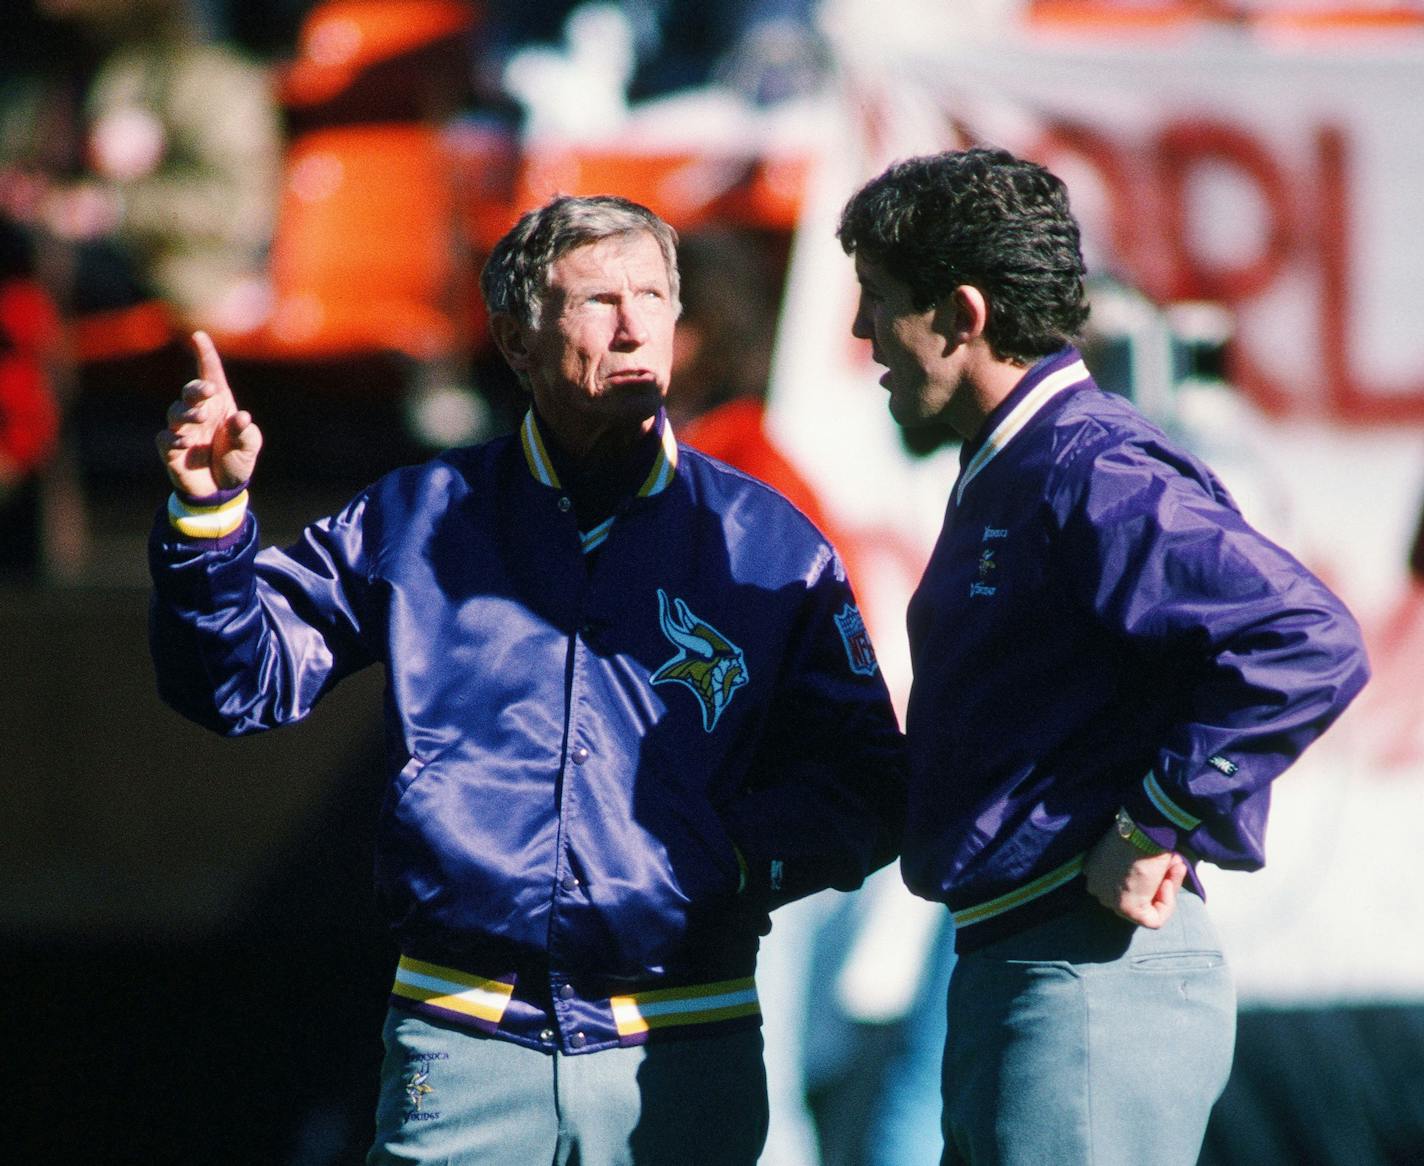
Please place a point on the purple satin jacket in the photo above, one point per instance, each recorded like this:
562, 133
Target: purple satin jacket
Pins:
1098, 627
610, 751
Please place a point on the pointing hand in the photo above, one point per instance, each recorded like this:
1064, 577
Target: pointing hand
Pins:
210, 444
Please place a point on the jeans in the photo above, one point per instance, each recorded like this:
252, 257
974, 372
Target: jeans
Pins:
1089, 1040
453, 1098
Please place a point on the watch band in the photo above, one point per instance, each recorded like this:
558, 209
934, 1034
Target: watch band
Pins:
1130, 831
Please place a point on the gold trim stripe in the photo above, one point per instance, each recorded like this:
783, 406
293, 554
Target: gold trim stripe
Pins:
451, 989
595, 537
541, 467
1170, 810
207, 521
663, 465
1024, 894
1019, 416
697, 1004
540, 464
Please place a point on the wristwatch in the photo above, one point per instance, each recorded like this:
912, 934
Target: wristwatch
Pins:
1129, 831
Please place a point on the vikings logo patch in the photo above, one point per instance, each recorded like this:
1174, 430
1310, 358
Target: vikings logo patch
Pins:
986, 568
857, 641
706, 662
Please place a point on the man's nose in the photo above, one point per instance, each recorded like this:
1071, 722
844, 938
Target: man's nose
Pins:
632, 326
860, 327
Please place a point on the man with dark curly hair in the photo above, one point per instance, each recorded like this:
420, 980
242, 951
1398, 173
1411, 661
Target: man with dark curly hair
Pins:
1111, 666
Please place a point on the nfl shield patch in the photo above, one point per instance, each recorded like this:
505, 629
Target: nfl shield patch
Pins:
859, 652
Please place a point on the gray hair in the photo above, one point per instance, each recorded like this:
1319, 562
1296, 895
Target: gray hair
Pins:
517, 272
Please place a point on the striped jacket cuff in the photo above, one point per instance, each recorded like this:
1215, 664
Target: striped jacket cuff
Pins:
207, 522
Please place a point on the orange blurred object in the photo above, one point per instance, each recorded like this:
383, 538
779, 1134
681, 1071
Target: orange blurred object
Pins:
364, 256
689, 188
1098, 16
118, 333
342, 39
1325, 21
736, 434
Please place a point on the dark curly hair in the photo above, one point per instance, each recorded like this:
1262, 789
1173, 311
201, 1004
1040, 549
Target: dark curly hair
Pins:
985, 218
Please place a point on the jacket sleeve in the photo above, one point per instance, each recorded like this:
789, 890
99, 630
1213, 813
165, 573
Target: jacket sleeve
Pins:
1265, 657
825, 802
244, 641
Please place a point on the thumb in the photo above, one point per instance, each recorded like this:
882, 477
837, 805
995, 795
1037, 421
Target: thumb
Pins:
244, 443
1165, 900
244, 432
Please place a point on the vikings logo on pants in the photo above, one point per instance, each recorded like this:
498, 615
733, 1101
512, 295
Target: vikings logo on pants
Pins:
706, 662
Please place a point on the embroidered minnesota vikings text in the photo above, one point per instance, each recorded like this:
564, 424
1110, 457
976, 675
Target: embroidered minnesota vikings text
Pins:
995, 532
708, 663
1221, 763
418, 1088
859, 650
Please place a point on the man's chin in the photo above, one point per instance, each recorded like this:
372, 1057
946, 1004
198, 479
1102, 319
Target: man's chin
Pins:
905, 415
631, 405
924, 436
631, 390
641, 404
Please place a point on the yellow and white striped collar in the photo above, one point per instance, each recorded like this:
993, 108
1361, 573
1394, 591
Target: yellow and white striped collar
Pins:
541, 466
1032, 399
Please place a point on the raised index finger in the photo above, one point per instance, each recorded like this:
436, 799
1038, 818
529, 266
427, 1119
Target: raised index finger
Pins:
210, 363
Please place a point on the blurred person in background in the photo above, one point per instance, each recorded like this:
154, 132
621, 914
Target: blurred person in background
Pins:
869, 1070
1110, 668
853, 985
630, 706
729, 288
29, 414
722, 363
766, 51
179, 177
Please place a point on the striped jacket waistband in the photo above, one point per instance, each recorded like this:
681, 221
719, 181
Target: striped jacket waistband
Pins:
555, 1015
1019, 896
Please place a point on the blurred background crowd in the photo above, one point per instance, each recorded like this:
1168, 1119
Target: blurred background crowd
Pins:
193, 968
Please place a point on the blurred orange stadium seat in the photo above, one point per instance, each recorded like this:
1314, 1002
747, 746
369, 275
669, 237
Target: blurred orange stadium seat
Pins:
365, 255
678, 185
343, 41
119, 333
687, 187
362, 256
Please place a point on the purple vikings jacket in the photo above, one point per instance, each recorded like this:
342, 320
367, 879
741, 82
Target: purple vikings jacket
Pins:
610, 751
1098, 627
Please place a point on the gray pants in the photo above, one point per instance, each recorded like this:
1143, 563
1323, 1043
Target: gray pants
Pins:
1088, 1040
456, 1099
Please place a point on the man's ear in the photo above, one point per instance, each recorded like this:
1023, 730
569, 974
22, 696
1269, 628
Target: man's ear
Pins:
962, 315
509, 338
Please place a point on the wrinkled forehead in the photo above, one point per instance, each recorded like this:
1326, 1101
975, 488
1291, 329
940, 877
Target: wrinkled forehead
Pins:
630, 257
